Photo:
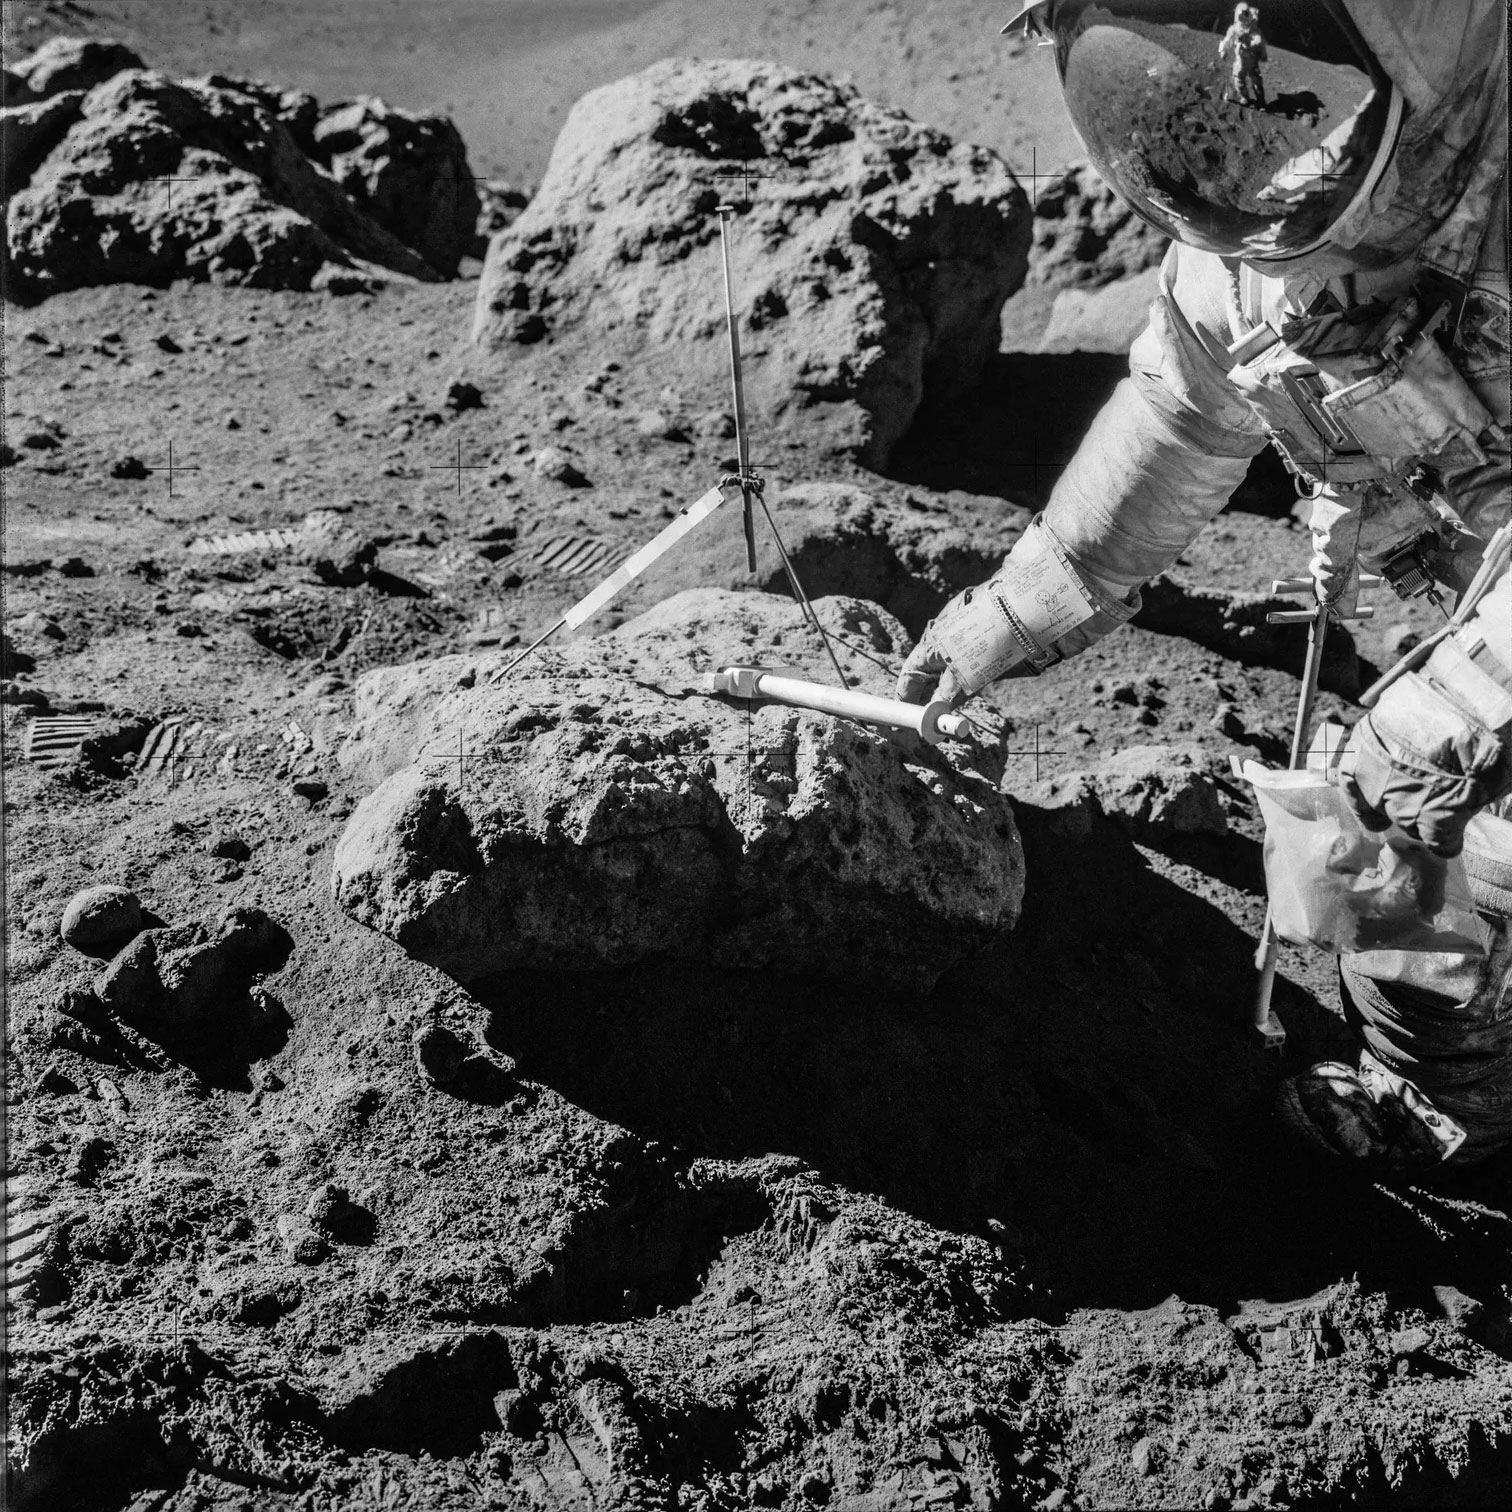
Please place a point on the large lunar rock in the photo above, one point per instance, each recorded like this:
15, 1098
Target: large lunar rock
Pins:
140, 179
909, 557
596, 809
409, 172
873, 256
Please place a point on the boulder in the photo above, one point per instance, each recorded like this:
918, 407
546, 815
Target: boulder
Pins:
1154, 791
409, 172
842, 539
596, 809
872, 254
29, 132
1085, 236
1103, 319
67, 63
154, 180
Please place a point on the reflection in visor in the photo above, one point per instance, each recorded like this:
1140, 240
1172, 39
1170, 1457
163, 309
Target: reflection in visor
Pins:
1226, 137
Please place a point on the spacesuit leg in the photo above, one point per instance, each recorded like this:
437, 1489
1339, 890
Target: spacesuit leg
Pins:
1444, 1023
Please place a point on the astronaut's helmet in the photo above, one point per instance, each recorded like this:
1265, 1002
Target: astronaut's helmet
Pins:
1256, 136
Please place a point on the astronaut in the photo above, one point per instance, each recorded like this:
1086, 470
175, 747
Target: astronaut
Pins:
1337, 288
1243, 48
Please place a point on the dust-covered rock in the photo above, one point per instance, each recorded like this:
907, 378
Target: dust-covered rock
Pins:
409, 172
885, 251
101, 919
1152, 790
69, 63
613, 814
334, 550
1085, 236
842, 539
154, 180
1160, 789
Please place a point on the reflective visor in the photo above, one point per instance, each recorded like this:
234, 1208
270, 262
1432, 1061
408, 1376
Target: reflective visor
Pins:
1249, 131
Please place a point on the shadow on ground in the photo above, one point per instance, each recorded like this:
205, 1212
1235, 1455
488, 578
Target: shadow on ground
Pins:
1090, 1094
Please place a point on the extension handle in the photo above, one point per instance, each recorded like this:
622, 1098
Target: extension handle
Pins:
933, 722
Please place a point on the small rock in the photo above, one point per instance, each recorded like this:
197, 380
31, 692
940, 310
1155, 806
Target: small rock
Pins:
814, 1487
1144, 1457
1057, 1499
1462, 1311
57, 1081
552, 462
461, 395
101, 919
40, 440
1228, 721
327, 1207
133, 469
9, 456
166, 343
1400, 639
715, 425
301, 1243
439, 1054
310, 787
1272, 1489
228, 845
73, 567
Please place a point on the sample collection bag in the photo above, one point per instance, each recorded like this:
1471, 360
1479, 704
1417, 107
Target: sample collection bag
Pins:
1336, 885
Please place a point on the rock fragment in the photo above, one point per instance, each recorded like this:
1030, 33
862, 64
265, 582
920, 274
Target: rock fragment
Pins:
552, 463
101, 919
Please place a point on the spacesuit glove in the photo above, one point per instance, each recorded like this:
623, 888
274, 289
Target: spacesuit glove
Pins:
1335, 563
1420, 761
927, 675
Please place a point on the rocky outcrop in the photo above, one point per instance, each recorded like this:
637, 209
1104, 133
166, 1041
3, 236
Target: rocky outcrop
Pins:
409, 172
68, 63
132, 177
595, 809
874, 254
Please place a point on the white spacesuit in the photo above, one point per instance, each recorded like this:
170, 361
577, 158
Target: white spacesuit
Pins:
1337, 288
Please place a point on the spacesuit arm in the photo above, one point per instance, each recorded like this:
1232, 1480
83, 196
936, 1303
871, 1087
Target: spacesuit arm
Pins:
1160, 460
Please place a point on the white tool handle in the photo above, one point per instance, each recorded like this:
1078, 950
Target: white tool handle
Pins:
933, 722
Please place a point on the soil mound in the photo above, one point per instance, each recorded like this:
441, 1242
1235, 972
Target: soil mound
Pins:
122, 175
611, 815
886, 249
